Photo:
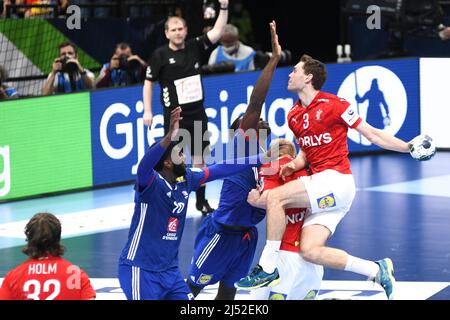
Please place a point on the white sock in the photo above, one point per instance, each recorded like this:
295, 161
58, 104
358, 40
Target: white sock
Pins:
269, 256
361, 266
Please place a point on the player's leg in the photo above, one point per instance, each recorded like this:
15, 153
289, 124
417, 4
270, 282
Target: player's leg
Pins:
314, 236
225, 292
289, 195
179, 289
194, 289
138, 284
199, 148
325, 191
244, 252
289, 273
301, 279
332, 194
213, 253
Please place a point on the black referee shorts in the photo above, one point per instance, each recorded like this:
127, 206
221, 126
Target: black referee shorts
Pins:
197, 125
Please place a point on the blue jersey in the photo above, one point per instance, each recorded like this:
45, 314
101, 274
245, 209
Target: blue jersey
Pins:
234, 210
158, 221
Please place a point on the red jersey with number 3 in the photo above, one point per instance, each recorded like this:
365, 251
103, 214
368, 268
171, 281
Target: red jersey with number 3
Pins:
321, 131
269, 178
51, 278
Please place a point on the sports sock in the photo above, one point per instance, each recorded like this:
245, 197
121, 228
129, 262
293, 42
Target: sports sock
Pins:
269, 256
361, 266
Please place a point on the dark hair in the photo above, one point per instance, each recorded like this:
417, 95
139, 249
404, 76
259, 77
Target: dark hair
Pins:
160, 165
316, 68
68, 43
43, 234
122, 46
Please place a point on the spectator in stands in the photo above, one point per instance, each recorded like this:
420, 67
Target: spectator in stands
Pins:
231, 49
123, 69
46, 275
5, 91
68, 75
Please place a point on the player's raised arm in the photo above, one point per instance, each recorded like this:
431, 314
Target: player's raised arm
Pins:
145, 170
253, 112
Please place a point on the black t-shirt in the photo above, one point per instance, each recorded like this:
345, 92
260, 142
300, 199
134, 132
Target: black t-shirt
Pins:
178, 73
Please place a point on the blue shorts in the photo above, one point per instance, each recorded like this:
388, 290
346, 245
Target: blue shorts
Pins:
221, 254
140, 284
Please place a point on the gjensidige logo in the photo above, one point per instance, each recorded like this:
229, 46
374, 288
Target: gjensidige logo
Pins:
378, 96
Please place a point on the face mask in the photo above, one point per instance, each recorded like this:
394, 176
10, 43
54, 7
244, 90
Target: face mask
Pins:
231, 50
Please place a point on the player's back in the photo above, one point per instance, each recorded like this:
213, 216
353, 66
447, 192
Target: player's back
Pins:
234, 210
50, 278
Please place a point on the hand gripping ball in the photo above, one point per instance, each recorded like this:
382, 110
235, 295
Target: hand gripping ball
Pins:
422, 147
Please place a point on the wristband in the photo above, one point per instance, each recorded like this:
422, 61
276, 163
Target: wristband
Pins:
224, 8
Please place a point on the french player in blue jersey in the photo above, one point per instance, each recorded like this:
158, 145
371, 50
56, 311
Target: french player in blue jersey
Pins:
226, 242
148, 265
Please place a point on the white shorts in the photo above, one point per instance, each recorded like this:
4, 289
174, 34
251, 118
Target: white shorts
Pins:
298, 278
331, 194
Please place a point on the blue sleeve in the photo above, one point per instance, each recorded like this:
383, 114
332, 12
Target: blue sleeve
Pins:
231, 167
145, 171
196, 177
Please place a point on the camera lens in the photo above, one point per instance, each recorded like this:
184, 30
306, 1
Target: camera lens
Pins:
123, 61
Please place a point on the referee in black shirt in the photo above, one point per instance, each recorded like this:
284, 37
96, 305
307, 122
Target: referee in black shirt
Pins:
177, 68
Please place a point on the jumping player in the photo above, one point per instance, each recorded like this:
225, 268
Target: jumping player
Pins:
226, 242
301, 279
320, 122
148, 265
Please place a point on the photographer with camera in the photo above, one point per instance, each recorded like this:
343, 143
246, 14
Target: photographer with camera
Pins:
231, 49
68, 75
6, 92
123, 69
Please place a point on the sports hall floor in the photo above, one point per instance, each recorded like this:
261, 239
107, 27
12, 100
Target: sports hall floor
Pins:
401, 211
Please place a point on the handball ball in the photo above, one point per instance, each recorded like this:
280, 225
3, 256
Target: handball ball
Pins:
422, 147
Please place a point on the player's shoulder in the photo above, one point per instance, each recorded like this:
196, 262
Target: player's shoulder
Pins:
61, 261
245, 50
326, 97
18, 270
